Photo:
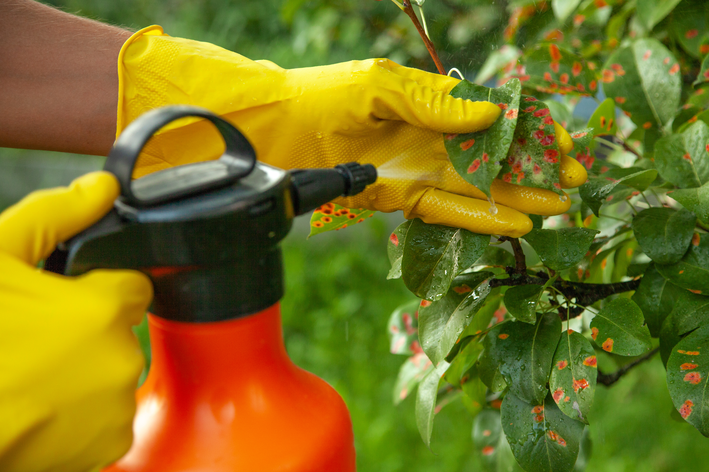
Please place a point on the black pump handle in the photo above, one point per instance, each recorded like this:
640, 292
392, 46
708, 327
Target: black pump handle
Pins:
238, 159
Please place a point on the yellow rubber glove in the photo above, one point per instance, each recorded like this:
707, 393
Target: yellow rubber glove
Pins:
69, 360
372, 111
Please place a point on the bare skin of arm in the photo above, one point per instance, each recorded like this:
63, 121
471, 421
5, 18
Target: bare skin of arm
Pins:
58, 79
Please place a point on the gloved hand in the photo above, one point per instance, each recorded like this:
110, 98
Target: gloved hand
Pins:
372, 111
69, 360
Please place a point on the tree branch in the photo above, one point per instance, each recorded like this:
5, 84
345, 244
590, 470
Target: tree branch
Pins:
409, 10
610, 379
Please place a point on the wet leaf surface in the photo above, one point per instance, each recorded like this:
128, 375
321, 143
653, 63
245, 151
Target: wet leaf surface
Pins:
692, 271
695, 200
395, 249
656, 298
690, 311
521, 301
573, 376
426, 401
618, 328
332, 217
563, 248
683, 159
599, 190
542, 438
664, 234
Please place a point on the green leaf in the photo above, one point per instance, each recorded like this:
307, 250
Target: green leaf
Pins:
643, 78
597, 191
682, 119
695, 200
668, 339
690, 312
395, 249
583, 147
683, 159
495, 257
533, 157
703, 76
435, 254
564, 8
476, 156
474, 389
687, 379
651, 12
441, 322
692, 271
573, 376
543, 439
524, 353
656, 298
411, 372
618, 328
483, 317
403, 329
563, 248
549, 68
491, 445
457, 372
426, 401
495, 61
521, 301
332, 216
603, 119
690, 26
664, 234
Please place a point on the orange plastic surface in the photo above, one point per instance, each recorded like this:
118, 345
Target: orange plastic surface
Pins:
225, 396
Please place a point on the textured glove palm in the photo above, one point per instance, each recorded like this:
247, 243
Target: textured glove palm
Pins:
372, 111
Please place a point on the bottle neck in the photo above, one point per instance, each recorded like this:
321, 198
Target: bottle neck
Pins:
186, 356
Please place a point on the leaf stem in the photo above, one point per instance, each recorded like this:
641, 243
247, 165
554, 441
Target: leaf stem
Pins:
409, 10
610, 379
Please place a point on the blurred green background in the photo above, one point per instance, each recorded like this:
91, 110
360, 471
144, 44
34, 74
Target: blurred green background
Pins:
338, 299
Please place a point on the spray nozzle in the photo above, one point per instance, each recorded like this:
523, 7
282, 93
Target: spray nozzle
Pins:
314, 187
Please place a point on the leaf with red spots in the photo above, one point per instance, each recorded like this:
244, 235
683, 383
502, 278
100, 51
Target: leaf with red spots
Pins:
476, 156
403, 329
395, 249
664, 234
563, 248
703, 76
683, 158
640, 78
543, 439
692, 271
695, 200
491, 445
411, 372
620, 328
426, 397
596, 191
332, 216
572, 387
603, 121
554, 69
521, 301
442, 322
564, 8
690, 312
690, 26
533, 158
459, 372
524, 357
688, 387
656, 297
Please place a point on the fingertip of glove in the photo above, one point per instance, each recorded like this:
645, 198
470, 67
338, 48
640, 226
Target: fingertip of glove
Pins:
571, 173
100, 185
563, 139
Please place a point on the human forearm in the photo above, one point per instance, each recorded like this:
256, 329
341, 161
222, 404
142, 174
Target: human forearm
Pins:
58, 79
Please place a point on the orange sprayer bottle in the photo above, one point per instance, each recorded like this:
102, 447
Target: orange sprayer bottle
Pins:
222, 393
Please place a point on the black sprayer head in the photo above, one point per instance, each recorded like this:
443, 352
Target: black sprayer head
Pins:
207, 234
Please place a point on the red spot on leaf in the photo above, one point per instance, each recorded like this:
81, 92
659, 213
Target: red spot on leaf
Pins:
607, 345
687, 157
647, 55
547, 140
554, 66
488, 450
394, 239
530, 109
537, 169
590, 361
594, 333
674, 69
620, 100
607, 76
474, 166
548, 120
691, 34
462, 289
647, 125
530, 99
503, 106
558, 395
593, 85
578, 19
425, 303
503, 336
450, 136
576, 69
688, 366
561, 365
554, 52
507, 177
580, 384
686, 409
696, 239
511, 114
564, 78
551, 156
465, 145
539, 134
487, 433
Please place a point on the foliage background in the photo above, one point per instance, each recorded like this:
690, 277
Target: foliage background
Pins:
337, 301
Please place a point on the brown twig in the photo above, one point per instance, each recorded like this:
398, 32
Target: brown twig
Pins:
610, 379
409, 10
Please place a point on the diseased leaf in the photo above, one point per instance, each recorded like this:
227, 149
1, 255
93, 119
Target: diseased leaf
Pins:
476, 156
651, 12
690, 312
690, 26
549, 68
618, 328
491, 445
435, 254
426, 401
495, 61
457, 372
411, 372
656, 298
687, 379
603, 119
664, 234
543, 439
573, 376
703, 76
584, 147
564, 8
561, 248
403, 329
695, 200
474, 389
442, 321
332, 216
521, 301
692, 271
524, 353
643, 79
599, 190
395, 249
683, 159
533, 157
